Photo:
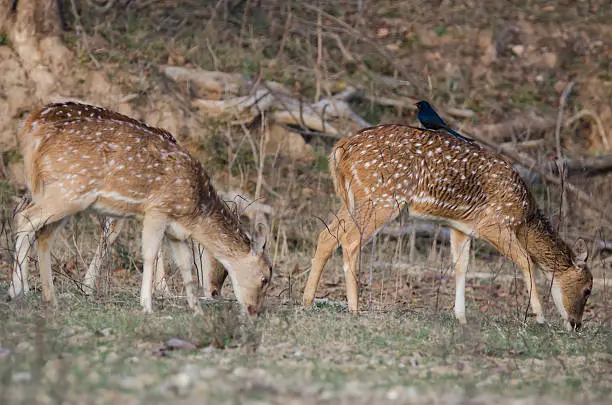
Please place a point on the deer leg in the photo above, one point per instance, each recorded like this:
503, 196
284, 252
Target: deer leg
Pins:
110, 230
327, 243
44, 237
359, 232
27, 223
506, 241
160, 285
19, 278
153, 230
217, 277
460, 250
211, 274
182, 257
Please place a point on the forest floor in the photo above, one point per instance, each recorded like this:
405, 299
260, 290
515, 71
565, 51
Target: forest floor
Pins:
502, 61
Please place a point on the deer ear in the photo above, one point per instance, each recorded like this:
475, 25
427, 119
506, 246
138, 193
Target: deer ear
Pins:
260, 236
581, 253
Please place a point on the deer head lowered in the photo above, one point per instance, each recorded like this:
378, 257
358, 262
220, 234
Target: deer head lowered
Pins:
475, 192
80, 157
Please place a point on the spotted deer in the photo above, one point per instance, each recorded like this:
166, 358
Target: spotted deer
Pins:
89, 158
211, 274
475, 192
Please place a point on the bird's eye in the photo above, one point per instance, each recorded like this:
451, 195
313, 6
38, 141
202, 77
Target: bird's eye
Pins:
264, 281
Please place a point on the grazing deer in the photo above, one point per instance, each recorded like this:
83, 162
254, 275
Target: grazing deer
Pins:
473, 191
211, 274
80, 157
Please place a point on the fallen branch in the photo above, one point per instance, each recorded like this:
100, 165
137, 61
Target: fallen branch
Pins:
427, 230
531, 164
599, 282
531, 144
211, 82
585, 166
281, 107
525, 123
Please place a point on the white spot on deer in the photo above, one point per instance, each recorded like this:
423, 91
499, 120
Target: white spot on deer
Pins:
119, 197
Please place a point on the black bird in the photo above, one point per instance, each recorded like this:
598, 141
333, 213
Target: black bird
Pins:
431, 120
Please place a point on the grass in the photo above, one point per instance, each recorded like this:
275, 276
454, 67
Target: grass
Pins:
93, 352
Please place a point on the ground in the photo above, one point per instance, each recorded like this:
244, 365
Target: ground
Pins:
106, 351
501, 61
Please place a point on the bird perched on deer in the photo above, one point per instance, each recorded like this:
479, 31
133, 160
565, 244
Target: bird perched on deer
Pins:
430, 119
475, 192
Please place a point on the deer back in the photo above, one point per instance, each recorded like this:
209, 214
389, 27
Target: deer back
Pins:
432, 172
81, 151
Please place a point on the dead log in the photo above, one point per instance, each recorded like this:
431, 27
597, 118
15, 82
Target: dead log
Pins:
412, 270
206, 82
585, 166
427, 230
529, 123
529, 163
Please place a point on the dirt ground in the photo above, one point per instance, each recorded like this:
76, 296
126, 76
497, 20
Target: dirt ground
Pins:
502, 61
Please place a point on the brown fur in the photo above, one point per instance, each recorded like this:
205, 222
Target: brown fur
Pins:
383, 169
84, 157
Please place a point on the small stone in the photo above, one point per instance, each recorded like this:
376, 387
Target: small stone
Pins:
392, 394
180, 344
104, 332
550, 59
241, 372
208, 373
22, 376
518, 50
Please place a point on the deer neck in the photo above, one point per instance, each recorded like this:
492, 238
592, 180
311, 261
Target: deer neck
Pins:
218, 229
545, 246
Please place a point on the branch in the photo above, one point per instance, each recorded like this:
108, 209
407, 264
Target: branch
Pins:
212, 82
562, 102
524, 123
531, 164
427, 230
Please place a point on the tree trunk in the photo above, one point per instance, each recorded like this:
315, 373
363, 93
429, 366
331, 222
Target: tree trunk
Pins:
30, 17
6, 9
34, 63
